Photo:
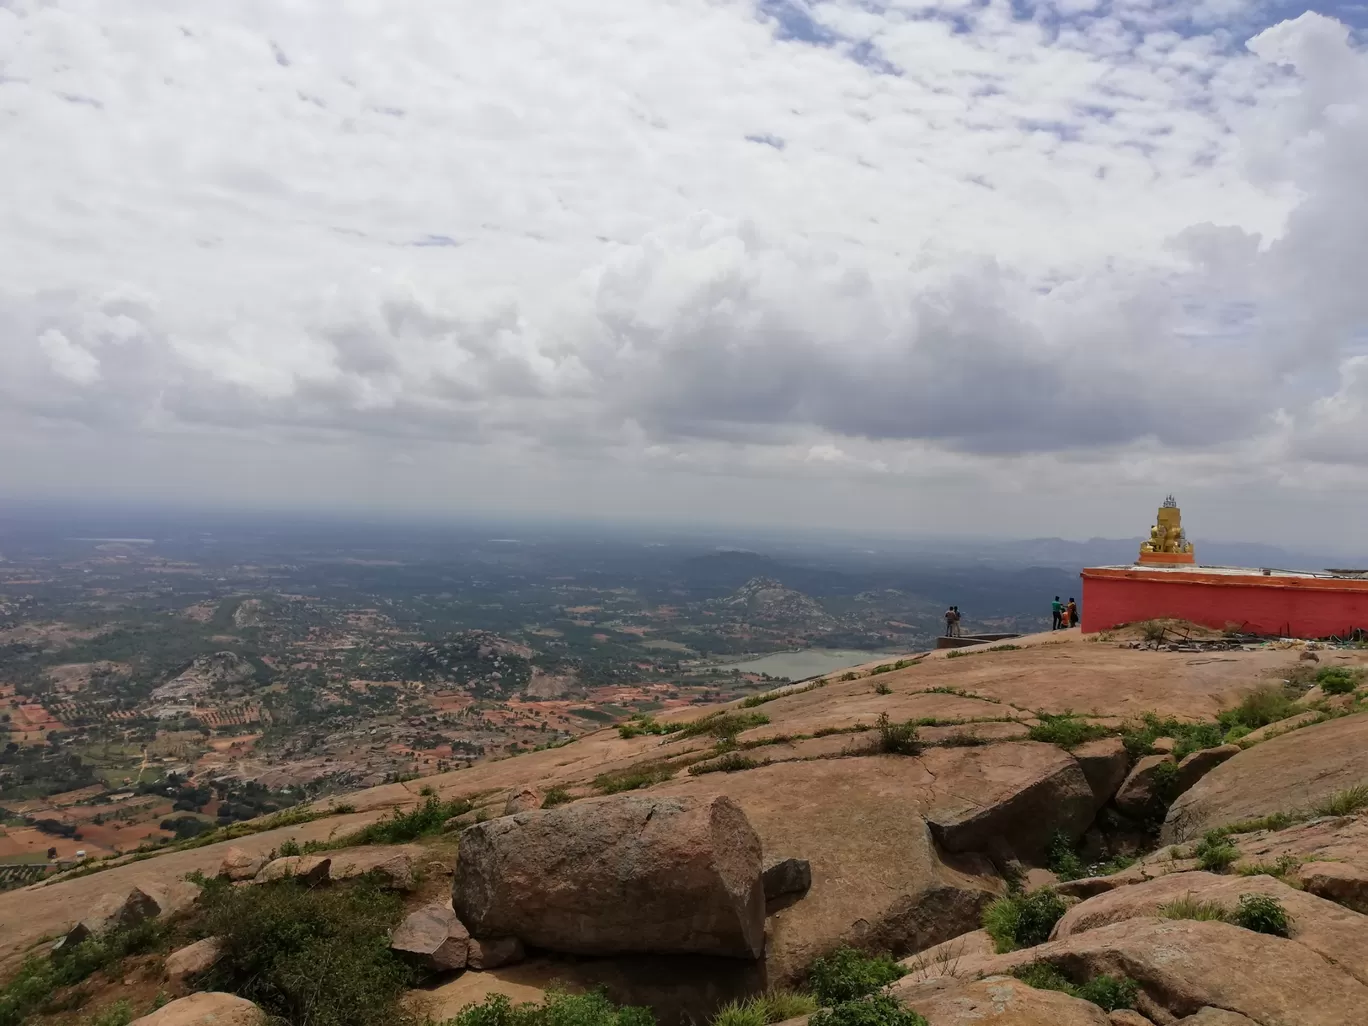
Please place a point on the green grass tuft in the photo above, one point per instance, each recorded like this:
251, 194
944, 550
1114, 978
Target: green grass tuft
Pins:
1022, 920
1343, 803
1215, 853
896, 738
644, 724
1262, 913
401, 827
732, 762
723, 724
556, 796
1110, 993
557, 1009
633, 778
879, 1010
1339, 680
1188, 907
1067, 730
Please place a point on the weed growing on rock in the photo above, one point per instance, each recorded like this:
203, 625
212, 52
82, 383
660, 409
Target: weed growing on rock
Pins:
423, 821
1067, 730
556, 796
1260, 707
1338, 680
634, 777
643, 724
1164, 783
1343, 803
558, 1009
1110, 993
882, 688
880, 1010
723, 724
770, 696
309, 955
1284, 865
1062, 859
765, 1009
1262, 913
732, 762
847, 974
1139, 736
848, 675
1214, 852
901, 664
896, 738
1188, 907
1022, 920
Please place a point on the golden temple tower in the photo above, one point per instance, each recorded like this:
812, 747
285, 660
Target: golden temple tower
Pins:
1166, 542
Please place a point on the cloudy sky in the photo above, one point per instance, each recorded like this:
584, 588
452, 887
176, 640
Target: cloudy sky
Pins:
955, 266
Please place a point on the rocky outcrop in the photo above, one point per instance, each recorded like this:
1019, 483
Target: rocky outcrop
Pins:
124, 908
1198, 764
524, 799
1104, 763
1034, 791
392, 866
240, 865
434, 936
1216, 1017
1140, 795
1338, 934
192, 960
1126, 1017
999, 1001
1183, 966
310, 870
207, 1009
1273, 777
669, 875
1339, 882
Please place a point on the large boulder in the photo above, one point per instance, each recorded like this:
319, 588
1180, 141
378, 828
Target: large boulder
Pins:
1104, 763
127, 907
192, 960
1140, 795
1294, 771
1014, 797
1198, 764
209, 1008
1340, 882
614, 875
434, 936
523, 799
392, 866
309, 870
999, 1001
240, 865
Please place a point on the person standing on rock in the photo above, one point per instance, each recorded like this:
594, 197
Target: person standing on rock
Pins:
1057, 612
956, 624
1073, 612
950, 622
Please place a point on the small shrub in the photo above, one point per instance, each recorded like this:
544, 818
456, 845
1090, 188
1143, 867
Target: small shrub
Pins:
879, 1010
117, 1014
558, 1009
1164, 783
643, 724
1062, 859
1214, 852
290, 846
1022, 920
765, 1009
1139, 736
901, 664
1338, 680
1259, 708
723, 724
1110, 993
633, 777
316, 956
1284, 865
1153, 631
848, 675
897, 738
1067, 730
1262, 913
1343, 803
1005, 648
956, 653
556, 796
732, 762
847, 974
401, 827
1188, 907
882, 688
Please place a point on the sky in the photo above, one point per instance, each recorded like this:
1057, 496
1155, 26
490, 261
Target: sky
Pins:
996, 267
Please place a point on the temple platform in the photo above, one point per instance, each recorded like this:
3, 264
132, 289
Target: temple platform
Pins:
1275, 603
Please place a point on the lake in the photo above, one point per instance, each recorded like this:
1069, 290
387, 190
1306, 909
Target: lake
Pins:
809, 662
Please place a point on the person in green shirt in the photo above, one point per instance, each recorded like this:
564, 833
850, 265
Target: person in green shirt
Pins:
1057, 609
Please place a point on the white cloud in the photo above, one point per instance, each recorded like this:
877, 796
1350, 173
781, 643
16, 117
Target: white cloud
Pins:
916, 241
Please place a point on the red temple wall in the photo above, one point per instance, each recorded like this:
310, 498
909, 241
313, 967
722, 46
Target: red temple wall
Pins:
1293, 607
